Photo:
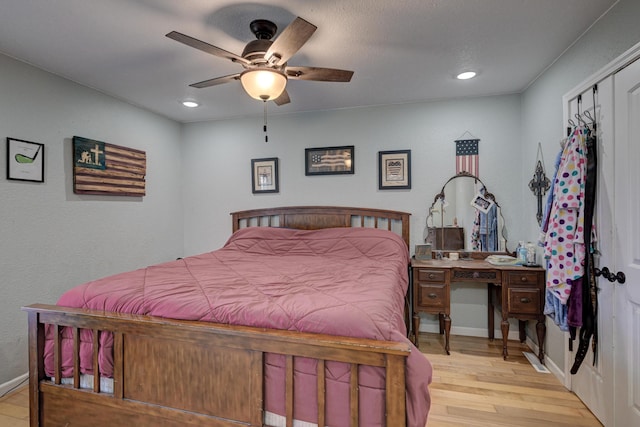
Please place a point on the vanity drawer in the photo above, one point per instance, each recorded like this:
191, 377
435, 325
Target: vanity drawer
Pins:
523, 278
433, 296
429, 275
524, 301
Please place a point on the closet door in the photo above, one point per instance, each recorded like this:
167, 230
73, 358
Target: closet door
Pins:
594, 383
627, 238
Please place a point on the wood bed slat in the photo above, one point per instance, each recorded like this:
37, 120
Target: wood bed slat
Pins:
289, 397
395, 384
76, 357
57, 355
321, 394
257, 373
353, 398
118, 369
96, 364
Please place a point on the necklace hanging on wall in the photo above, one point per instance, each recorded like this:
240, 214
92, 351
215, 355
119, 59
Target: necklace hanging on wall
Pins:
540, 184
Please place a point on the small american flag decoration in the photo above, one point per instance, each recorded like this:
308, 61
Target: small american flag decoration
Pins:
101, 168
467, 156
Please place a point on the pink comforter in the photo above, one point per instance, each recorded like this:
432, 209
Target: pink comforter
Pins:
339, 281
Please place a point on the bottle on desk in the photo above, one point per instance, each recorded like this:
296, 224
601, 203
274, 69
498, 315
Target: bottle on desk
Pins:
521, 253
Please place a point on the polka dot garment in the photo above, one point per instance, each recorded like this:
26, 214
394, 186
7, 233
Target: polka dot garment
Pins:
564, 242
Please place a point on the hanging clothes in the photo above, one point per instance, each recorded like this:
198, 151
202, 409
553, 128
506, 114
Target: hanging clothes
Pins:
488, 229
476, 245
567, 227
564, 242
484, 230
589, 327
569, 237
553, 307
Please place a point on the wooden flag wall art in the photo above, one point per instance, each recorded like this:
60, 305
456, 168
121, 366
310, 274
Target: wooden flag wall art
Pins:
107, 169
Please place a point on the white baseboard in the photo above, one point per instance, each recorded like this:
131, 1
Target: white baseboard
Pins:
14, 383
469, 332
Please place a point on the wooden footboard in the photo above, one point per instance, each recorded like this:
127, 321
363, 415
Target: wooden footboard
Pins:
175, 373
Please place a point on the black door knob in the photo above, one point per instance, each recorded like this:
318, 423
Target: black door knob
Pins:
612, 277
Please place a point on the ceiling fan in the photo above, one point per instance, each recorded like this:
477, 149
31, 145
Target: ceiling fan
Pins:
264, 60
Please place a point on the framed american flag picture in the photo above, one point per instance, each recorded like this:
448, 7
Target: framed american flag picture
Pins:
329, 160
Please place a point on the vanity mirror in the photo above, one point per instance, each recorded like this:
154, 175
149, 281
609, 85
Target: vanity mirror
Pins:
465, 216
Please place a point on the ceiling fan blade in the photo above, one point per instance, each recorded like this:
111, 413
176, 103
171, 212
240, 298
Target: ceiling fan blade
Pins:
216, 81
290, 41
205, 47
283, 98
318, 74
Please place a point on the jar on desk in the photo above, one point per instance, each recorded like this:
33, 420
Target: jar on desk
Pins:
531, 254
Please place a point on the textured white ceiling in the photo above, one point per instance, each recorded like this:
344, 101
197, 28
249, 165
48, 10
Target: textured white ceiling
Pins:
401, 51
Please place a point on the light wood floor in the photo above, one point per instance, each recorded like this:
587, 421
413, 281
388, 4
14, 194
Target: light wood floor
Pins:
14, 408
473, 387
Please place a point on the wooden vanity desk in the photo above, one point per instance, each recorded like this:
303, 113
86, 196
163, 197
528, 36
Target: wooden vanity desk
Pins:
520, 291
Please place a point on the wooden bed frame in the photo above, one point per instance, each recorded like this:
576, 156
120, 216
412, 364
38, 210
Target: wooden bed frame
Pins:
175, 373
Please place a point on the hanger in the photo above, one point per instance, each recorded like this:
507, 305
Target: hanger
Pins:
581, 120
466, 132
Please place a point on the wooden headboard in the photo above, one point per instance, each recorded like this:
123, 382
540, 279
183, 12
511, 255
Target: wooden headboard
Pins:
315, 217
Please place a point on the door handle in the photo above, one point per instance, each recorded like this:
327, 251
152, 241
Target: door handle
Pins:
612, 277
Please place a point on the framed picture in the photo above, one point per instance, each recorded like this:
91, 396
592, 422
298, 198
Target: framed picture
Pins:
264, 175
482, 203
423, 252
329, 160
25, 160
394, 170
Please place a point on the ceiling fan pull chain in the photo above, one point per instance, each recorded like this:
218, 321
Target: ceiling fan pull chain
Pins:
266, 137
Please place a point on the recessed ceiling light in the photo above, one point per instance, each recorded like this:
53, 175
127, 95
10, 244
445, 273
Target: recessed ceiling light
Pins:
466, 75
190, 104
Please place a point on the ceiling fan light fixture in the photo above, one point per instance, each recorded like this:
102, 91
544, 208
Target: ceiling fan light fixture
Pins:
466, 75
263, 83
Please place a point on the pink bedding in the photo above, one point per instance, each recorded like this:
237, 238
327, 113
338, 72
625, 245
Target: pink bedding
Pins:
339, 281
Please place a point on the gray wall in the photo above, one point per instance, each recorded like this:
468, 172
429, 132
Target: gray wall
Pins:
542, 106
52, 239
217, 170
217, 161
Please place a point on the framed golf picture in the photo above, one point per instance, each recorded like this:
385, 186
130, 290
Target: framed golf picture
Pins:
25, 160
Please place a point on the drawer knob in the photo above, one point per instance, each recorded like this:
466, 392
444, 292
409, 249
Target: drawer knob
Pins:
525, 300
432, 276
523, 278
432, 296
476, 275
